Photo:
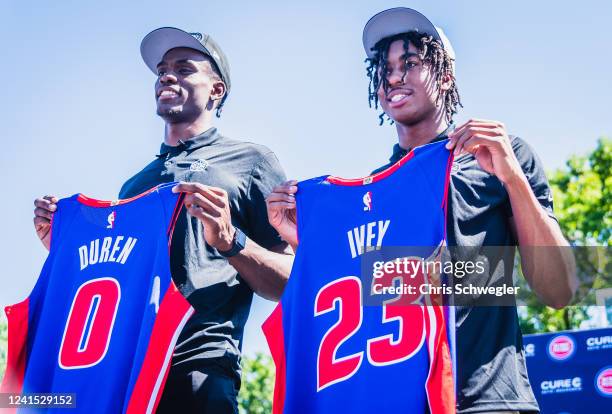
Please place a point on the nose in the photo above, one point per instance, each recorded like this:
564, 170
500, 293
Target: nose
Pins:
167, 78
395, 77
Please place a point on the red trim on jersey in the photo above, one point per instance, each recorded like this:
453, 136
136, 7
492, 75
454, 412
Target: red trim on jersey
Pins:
273, 330
92, 202
449, 167
174, 311
177, 210
371, 178
17, 316
439, 385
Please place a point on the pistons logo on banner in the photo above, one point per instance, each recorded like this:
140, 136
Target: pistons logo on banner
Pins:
603, 382
561, 347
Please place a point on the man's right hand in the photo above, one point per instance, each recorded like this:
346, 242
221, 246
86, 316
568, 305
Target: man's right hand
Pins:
45, 207
282, 213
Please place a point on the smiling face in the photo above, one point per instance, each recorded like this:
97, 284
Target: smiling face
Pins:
410, 93
187, 86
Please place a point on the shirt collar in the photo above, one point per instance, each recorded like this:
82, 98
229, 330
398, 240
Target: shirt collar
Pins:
205, 138
399, 152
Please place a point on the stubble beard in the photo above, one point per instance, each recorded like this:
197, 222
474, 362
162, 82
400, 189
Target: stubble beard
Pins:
176, 115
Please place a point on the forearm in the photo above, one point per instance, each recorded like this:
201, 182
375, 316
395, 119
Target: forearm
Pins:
265, 271
547, 261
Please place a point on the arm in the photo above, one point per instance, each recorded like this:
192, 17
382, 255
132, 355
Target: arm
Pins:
266, 271
549, 270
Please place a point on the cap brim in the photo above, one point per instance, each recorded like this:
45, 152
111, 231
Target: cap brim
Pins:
157, 43
392, 22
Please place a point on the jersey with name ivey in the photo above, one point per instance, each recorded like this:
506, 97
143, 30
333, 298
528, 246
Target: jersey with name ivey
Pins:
332, 352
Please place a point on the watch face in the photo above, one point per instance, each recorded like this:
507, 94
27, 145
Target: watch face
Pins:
240, 239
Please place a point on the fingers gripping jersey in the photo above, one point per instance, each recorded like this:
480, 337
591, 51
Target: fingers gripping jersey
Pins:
333, 353
104, 315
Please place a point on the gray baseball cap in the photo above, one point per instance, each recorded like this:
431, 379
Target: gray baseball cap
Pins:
399, 20
155, 45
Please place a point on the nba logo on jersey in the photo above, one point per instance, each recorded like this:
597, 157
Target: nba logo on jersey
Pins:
367, 201
111, 220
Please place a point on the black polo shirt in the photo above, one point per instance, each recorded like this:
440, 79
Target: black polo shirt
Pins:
221, 298
491, 370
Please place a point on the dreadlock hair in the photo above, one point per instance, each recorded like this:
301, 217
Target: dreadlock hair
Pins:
432, 53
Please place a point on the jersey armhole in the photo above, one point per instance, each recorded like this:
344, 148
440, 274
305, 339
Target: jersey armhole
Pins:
444, 206
175, 214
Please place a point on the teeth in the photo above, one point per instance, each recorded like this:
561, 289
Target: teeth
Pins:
398, 97
168, 93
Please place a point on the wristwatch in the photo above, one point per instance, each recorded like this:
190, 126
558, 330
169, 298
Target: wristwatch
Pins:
238, 244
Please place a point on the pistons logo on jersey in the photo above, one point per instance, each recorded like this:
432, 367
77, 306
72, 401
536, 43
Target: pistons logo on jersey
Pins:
111, 220
367, 201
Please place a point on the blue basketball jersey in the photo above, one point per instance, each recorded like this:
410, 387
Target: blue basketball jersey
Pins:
333, 352
104, 316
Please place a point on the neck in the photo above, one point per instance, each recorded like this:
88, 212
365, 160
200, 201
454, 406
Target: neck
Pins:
175, 132
410, 136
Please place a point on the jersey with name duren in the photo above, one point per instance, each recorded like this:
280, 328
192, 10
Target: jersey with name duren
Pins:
334, 353
104, 316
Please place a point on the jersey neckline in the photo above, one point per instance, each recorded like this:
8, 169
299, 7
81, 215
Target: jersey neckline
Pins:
370, 178
93, 202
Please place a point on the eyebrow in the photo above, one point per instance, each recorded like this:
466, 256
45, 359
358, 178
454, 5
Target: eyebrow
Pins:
408, 55
180, 61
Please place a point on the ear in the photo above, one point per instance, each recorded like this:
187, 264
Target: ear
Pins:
447, 82
218, 91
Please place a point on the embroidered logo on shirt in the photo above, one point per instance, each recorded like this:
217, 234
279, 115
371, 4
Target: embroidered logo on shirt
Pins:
198, 165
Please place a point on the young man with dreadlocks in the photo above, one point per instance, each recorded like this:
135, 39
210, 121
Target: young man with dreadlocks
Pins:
498, 196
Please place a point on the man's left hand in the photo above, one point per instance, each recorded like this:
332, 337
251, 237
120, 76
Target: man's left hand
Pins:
211, 206
490, 145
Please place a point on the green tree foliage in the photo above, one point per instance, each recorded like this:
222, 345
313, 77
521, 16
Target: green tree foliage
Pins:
3, 338
583, 196
582, 192
257, 385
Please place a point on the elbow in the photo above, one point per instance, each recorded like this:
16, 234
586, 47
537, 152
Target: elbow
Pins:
273, 292
562, 298
559, 303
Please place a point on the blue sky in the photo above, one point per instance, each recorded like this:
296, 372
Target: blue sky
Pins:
78, 112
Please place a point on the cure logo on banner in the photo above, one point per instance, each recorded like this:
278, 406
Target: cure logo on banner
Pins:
603, 381
595, 343
561, 347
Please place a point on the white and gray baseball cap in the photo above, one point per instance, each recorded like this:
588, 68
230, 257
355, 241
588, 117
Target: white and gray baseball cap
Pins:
399, 20
155, 45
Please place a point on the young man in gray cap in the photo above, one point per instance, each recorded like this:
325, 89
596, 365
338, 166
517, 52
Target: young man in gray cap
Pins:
498, 196
223, 248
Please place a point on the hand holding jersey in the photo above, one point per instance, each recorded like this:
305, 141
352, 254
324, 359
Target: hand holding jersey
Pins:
43, 213
488, 141
282, 213
211, 206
